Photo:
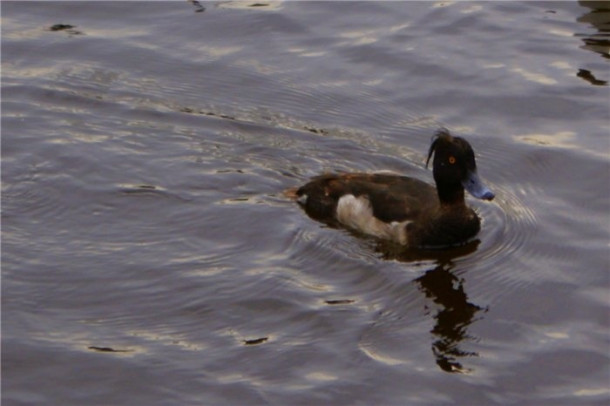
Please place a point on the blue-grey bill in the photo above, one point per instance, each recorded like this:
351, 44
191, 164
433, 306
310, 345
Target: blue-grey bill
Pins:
476, 187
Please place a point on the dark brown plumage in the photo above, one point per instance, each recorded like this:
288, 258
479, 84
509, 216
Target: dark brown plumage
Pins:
405, 210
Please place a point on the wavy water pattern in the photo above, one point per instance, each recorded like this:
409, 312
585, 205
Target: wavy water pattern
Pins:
146, 233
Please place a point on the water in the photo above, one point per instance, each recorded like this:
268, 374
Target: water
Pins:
150, 256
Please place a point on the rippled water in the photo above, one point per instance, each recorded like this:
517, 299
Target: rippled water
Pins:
151, 257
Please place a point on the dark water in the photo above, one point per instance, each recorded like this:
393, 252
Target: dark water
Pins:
150, 257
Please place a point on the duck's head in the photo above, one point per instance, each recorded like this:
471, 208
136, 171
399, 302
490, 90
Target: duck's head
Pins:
455, 169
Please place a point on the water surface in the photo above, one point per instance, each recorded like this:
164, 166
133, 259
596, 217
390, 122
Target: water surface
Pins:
150, 256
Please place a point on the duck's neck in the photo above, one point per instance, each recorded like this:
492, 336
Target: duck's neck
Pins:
451, 195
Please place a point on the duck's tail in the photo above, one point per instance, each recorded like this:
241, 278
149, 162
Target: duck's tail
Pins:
291, 193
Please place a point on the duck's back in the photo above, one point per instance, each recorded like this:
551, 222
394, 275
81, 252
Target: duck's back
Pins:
391, 198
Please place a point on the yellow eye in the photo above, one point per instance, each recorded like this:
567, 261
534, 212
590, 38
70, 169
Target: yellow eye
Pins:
451, 160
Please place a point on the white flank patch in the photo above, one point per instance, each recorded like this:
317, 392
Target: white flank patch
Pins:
357, 213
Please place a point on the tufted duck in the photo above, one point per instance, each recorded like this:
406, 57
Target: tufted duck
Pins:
402, 209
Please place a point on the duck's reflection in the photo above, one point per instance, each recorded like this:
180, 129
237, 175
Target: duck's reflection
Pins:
452, 312
598, 17
452, 318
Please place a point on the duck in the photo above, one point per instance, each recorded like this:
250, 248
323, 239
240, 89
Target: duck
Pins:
401, 209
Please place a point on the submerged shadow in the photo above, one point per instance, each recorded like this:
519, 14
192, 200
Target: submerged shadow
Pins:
392, 251
454, 314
